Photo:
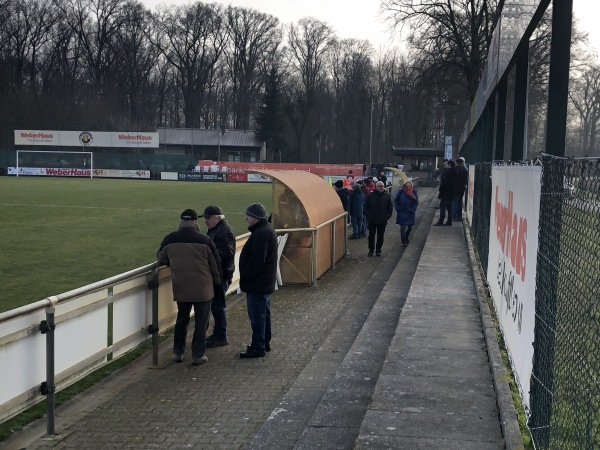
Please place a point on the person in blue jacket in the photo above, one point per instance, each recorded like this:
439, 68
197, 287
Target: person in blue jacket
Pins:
406, 201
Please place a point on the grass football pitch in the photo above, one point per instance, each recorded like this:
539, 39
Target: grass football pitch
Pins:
57, 234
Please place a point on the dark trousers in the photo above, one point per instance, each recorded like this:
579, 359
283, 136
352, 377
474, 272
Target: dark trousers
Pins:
378, 229
201, 315
217, 307
457, 206
445, 205
259, 313
405, 232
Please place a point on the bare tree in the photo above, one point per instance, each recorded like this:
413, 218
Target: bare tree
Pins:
135, 59
253, 40
309, 42
585, 97
192, 39
352, 76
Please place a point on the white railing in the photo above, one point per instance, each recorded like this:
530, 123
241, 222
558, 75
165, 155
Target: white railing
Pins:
50, 344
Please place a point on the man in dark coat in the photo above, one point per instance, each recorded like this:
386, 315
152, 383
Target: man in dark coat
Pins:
446, 194
378, 209
343, 194
462, 178
195, 269
222, 236
258, 272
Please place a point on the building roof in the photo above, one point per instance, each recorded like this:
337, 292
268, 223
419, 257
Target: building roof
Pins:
210, 137
417, 151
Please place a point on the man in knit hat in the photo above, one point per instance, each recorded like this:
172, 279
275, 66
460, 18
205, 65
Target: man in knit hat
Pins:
258, 271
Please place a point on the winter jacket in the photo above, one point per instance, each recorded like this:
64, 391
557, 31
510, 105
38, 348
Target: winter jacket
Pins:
344, 197
258, 260
378, 207
194, 261
462, 178
447, 185
224, 240
405, 207
357, 202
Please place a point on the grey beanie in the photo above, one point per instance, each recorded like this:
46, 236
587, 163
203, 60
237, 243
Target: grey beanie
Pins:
257, 211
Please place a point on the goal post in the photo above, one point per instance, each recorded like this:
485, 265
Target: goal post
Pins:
55, 163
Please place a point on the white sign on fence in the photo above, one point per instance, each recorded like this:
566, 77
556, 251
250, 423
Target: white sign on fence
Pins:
470, 192
512, 262
86, 138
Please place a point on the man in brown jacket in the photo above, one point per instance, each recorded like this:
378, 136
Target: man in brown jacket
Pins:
195, 272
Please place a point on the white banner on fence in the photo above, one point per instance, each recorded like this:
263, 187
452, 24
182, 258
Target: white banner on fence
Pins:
116, 173
86, 138
470, 192
512, 260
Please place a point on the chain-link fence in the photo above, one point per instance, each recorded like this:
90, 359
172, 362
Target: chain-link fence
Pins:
565, 384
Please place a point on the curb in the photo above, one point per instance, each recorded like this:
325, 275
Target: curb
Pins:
508, 415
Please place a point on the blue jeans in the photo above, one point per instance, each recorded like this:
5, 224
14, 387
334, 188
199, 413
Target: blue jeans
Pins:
405, 232
217, 308
457, 205
259, 313
201, 316
356, 225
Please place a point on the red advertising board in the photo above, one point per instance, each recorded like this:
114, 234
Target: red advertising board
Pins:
243, 167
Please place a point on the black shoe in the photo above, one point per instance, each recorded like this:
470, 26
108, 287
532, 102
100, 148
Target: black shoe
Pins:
407, 242
370, 254
216, 342
199, 360
267, 347
448, 224
377, 253
438, 224
251, 352
210, 338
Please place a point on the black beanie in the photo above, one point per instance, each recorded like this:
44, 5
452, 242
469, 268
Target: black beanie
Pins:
339, 184
257, 211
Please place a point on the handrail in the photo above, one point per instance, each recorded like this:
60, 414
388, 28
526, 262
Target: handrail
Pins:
48, 301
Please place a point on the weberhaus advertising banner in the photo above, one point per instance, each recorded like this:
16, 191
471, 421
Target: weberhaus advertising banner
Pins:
512, 260
86, 138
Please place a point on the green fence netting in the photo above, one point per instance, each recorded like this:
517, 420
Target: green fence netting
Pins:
565, 384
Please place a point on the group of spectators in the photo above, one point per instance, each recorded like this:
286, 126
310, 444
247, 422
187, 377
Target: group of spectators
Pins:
453, 183
369, 206
202, 267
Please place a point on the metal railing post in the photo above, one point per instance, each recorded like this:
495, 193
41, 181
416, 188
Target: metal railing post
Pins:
48, 387
154, 328
333, 244
314, 265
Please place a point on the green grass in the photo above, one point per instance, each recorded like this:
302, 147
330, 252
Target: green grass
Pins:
58, 234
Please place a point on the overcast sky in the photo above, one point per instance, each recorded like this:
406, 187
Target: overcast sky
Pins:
357, 19
360, 19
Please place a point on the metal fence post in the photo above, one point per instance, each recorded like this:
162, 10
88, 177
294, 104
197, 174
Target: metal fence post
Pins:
154, 326
48, 388
333, 244
315, 259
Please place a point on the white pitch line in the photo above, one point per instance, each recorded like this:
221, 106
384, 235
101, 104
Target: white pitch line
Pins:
97, 207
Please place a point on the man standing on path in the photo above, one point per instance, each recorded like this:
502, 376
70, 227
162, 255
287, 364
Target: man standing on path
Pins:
446, 194
222, 236
258, 271
460, 185
378, 209
195, 269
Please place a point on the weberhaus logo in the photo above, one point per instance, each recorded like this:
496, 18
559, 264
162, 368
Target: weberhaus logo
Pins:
86, 138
